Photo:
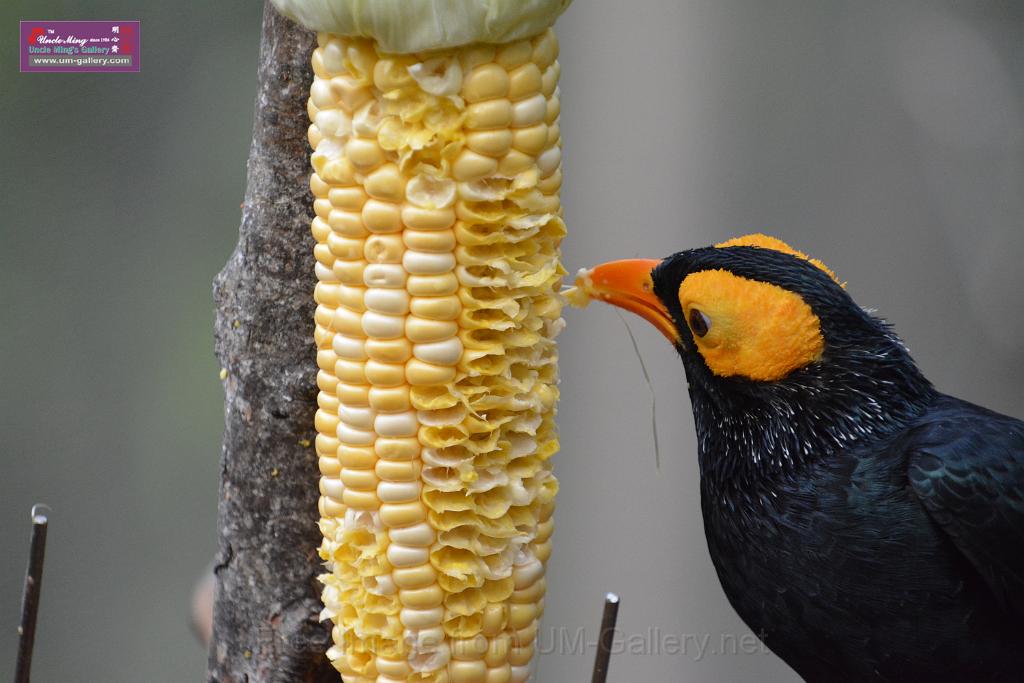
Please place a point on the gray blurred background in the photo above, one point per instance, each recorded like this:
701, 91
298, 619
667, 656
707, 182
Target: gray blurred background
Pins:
885, 138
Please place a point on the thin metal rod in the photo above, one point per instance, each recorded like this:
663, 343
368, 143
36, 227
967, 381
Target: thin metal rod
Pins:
30, 598
606, 638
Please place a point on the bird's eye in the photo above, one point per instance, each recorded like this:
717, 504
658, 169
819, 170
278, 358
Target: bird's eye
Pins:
699, 323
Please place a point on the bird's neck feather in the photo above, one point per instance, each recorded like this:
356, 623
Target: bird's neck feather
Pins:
750, 436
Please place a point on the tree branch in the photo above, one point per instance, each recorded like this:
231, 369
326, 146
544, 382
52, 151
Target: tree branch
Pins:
267, 601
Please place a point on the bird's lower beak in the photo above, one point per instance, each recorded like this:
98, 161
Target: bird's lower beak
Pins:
628, 284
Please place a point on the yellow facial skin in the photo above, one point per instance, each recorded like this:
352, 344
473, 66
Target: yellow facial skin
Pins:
757, 330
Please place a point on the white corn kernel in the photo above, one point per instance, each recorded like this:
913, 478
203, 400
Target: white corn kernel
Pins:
350, 348
527, 112
423, 618
351, 93
526, 575
324, 274
354, 437
332, 487
357, 417
407, 556
384, 275
320, 94
334, 123
390, 301
347, 223
398, 491
332, 57
447, 352
418, 535
320, 231
382, 326
396, 424
549, 161
321, 207
427, 263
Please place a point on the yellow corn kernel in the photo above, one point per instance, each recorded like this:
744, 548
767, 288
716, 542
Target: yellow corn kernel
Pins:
388, 350
442, 241
437, 230
491, 114
433, 285
471, 165
347, 198
379, 216
493, 143
386, 183
389, 398
485, 82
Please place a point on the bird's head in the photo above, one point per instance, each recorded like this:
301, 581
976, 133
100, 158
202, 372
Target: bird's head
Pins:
778, 355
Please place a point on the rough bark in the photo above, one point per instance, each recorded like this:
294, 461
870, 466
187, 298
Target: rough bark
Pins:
267, 599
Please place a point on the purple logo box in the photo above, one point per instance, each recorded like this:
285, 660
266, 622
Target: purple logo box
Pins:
79, 46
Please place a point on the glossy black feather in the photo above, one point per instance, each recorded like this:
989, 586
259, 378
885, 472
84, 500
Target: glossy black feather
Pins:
867, 526
966, 466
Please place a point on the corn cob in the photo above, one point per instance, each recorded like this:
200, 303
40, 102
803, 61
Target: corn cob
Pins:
437, 227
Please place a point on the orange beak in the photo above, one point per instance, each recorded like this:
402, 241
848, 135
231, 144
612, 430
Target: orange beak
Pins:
628, 284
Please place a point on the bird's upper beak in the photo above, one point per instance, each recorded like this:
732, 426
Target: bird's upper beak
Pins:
628, 284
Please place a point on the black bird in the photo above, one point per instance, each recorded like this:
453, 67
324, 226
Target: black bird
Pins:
866, 525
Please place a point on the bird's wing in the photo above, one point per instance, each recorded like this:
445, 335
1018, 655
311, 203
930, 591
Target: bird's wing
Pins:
967, 467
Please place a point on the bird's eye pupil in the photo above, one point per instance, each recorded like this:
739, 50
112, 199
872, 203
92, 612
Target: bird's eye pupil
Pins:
699, 323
